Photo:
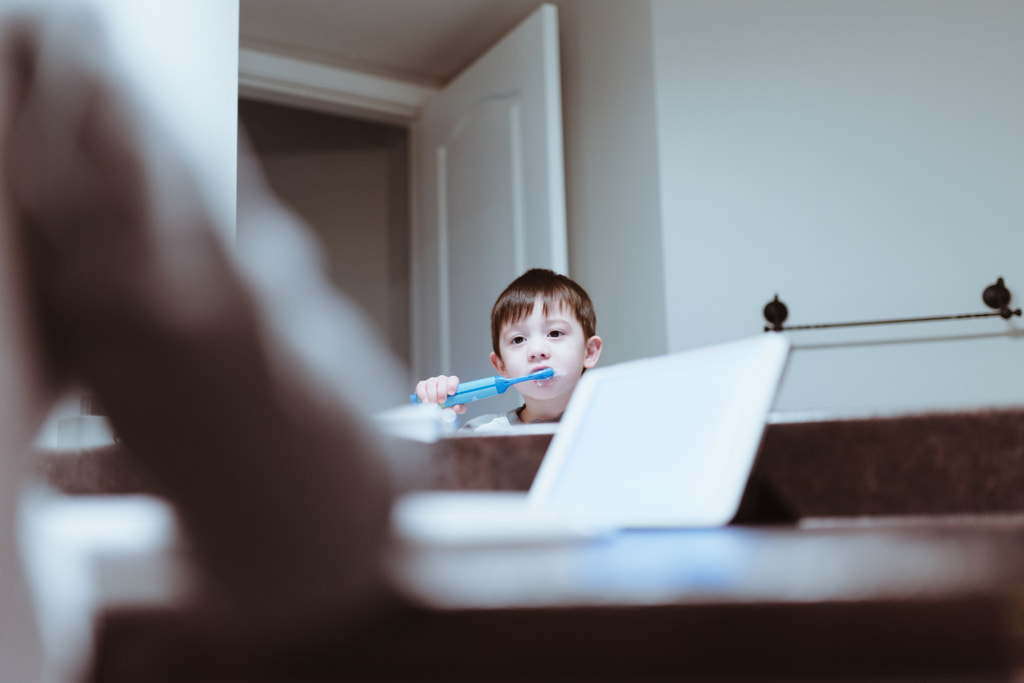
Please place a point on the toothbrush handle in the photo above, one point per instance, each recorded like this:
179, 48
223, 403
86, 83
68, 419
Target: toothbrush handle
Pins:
477, 389
472, 391
486, 387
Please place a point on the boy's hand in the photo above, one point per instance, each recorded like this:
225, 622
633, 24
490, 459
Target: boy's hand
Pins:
438, 389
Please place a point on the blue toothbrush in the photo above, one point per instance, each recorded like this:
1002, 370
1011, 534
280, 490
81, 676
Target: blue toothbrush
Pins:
486, 387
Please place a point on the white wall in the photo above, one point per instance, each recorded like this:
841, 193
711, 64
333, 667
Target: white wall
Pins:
612, 191
863, 159
182, 55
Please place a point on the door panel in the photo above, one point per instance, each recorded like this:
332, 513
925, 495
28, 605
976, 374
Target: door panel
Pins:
486, 222
489, 197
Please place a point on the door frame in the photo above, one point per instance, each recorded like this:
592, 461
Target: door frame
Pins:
330, 89
308, 85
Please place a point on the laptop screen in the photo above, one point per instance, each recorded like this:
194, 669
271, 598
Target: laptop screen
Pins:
663, 441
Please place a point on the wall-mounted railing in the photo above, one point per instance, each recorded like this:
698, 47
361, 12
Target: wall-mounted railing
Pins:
995, 296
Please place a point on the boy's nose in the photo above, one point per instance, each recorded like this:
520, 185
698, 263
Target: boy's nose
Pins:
538, 350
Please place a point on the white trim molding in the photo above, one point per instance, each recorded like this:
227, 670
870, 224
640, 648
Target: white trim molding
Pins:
299, 83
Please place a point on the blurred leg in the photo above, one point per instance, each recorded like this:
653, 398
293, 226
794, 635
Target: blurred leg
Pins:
234, 384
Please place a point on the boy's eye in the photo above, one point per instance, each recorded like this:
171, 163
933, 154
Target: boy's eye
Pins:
518, 339
556, 333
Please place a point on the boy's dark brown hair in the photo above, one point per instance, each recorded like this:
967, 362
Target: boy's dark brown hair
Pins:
553, 289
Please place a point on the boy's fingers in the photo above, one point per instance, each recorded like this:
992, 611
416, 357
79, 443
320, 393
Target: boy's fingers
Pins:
444, 387
427, 390
437, 389
441, 390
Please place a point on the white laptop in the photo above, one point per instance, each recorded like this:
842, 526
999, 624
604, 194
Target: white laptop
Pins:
667, 441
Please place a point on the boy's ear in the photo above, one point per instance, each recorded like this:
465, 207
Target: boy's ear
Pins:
498, 364
593, 352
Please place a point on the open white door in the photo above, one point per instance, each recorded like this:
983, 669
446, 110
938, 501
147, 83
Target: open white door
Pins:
488, 197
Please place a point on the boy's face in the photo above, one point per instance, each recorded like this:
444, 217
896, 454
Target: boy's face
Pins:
541, 341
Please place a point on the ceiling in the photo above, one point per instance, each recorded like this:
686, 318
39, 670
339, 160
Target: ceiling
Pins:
421, 41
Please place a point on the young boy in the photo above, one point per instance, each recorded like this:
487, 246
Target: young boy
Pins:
541, 320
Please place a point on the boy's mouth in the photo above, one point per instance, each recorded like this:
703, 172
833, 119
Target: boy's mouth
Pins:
543, 382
